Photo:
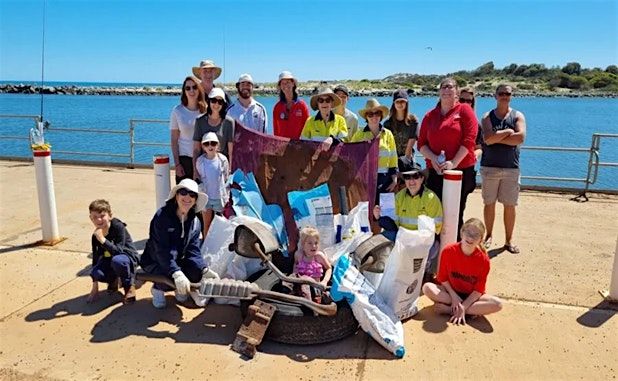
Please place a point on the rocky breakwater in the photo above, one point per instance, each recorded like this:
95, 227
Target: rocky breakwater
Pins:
87, 90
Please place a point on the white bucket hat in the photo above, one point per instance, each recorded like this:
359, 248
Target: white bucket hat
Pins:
190, 185
286, 75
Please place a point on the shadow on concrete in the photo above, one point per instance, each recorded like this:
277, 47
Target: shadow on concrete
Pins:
217, 324
75, 306
495, 252
18, 247
436, 323
598, 315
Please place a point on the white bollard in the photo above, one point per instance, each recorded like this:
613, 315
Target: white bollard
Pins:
47, 197
613, 286
451, 194
162, 178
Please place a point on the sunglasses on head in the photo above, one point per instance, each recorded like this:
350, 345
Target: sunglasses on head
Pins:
324, 100
504, 94
189, 88
216, 100
371, 114
185, 192
211, 143
412, 176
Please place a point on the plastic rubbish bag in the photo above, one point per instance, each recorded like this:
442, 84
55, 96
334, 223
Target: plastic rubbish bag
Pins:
403, 273
375, 317
355, 222
215, 247
314, 207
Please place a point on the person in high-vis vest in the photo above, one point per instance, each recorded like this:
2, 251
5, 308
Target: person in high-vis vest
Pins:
325, 126
412, 201
374, 113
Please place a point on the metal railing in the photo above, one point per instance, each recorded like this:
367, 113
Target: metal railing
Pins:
593, 151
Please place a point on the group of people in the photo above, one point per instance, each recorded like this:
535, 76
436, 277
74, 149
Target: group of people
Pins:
449, 137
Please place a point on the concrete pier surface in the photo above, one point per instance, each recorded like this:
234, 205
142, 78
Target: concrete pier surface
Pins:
554, 324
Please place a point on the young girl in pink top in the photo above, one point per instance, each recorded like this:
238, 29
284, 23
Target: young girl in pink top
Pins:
309, 261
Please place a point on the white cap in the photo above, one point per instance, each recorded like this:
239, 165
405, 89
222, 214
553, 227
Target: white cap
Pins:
216, 92
210, 137
245, 78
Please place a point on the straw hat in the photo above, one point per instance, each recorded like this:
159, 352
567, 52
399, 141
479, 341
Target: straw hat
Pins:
324, 92
190, 185
373, 105
205, 64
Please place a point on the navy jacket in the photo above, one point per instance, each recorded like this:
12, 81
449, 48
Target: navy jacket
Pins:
117, 241
170, 241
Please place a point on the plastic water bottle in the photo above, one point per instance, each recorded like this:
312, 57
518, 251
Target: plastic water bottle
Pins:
441, 157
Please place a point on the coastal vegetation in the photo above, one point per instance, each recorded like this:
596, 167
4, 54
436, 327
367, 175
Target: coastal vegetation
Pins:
528, 79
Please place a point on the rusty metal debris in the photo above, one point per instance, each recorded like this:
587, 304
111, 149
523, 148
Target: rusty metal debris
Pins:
253, 329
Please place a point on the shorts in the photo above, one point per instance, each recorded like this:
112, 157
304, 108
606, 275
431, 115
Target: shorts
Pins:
215, 204
500, 184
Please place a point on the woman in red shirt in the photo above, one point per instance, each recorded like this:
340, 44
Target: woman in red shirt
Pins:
291, 112
462, 275
450, 127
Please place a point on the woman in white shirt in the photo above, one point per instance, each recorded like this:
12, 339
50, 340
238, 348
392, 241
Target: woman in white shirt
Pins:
182, 125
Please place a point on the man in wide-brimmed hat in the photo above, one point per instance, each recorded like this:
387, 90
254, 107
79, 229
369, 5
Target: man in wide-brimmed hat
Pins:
207, 72
351, 119
246, 110
325, 126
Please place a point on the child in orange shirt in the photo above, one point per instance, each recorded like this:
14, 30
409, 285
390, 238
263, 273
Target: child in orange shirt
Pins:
462, 275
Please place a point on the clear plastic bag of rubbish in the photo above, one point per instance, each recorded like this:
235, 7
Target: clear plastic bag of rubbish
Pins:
215, 248
353, 229
403, 273
374, 316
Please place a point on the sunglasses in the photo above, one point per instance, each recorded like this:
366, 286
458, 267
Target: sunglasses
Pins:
444, 87
324, 100
212, 144
504, 94
464, 100
216, 100
411, 176
189, 88
371, 114
185, 192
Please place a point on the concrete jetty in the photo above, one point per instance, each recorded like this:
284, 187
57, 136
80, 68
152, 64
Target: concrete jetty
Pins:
554, 324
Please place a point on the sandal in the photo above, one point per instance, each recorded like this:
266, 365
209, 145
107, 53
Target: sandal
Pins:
511, 248
487, 243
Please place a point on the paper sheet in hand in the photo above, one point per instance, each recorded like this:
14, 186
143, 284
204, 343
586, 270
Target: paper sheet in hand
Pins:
387, 205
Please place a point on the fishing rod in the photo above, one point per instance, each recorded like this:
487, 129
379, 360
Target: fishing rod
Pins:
37, 135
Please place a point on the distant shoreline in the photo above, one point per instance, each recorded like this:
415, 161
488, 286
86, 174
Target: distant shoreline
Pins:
305, 89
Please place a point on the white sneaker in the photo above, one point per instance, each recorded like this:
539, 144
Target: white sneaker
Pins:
181, 297
158, 298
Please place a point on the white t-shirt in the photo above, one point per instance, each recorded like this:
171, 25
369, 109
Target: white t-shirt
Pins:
214, 174
253, 117
183, 119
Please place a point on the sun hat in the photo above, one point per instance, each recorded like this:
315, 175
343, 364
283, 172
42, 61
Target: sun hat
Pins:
326, 91
245, 78
190, 185
343, 88
205, 64
400, 94
216, 93
210, 137
373, 104
286, 75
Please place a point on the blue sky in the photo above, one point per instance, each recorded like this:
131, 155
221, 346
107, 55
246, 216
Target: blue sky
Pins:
158, 41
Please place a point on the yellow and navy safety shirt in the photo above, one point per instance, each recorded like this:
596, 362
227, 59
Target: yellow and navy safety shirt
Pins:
318, 130
408, 208
387, 159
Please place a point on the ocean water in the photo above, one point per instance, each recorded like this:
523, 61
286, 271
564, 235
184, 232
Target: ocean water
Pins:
555, 122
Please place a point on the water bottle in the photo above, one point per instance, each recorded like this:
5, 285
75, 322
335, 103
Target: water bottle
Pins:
441, 157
